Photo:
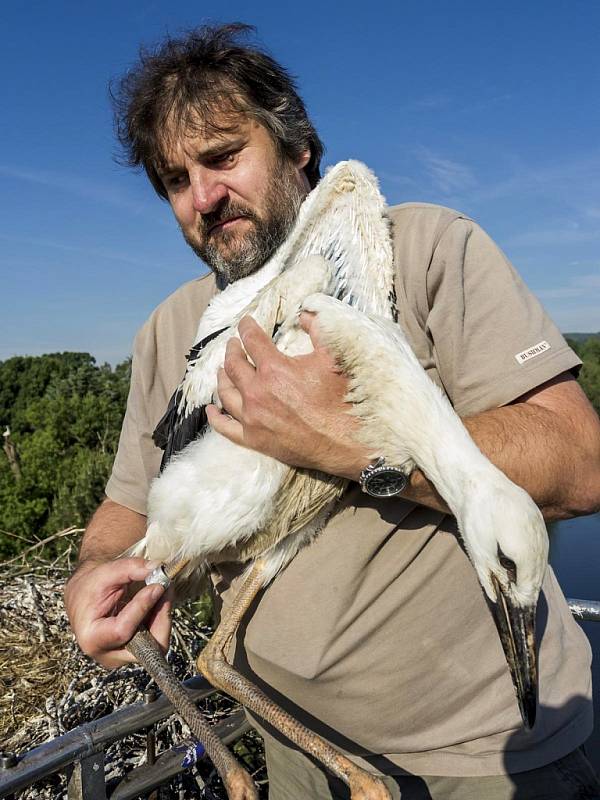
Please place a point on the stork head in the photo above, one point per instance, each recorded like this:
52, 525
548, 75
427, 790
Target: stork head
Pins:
505, 537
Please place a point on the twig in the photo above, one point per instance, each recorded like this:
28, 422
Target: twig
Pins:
41, 543
20, 536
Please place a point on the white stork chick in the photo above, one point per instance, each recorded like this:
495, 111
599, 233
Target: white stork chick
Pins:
217, 501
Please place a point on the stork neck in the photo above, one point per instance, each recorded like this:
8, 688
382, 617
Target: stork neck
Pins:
226, 305
451, 460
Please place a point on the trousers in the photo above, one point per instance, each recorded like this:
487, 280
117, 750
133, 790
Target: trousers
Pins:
295, 776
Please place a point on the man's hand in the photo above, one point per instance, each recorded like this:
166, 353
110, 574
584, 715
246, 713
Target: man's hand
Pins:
102, 617
96, 594
292, 409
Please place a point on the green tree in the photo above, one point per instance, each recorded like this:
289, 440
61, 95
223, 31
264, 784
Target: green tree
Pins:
65, 416
589, 377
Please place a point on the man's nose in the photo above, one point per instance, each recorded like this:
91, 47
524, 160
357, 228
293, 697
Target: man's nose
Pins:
208, 190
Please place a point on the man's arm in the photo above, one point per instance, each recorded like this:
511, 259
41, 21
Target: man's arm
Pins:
548, 441
112, 529
96, 596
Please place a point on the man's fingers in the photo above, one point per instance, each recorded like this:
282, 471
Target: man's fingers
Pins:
122, 571
257, 344
114, 632
116, 658
307, 320
236, 365
224, 424
110, 583
230, 397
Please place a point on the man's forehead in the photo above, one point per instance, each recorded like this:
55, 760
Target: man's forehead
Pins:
193, 138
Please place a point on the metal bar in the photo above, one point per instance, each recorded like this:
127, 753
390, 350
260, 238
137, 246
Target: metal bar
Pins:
87, 739
86, 781
46, 759
588, 610
8, 761
147, 777
150, 697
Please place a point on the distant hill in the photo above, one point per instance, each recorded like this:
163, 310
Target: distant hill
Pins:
582, 337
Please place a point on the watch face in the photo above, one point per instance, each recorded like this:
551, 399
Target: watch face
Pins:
386, 483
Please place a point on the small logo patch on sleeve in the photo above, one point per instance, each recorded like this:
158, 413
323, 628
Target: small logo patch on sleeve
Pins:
532, 352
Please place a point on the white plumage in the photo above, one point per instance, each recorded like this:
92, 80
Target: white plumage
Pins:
215, 498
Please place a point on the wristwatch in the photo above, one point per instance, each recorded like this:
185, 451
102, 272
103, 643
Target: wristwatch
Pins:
382, 480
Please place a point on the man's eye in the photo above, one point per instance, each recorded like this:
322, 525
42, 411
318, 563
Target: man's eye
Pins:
174, 182
224, 159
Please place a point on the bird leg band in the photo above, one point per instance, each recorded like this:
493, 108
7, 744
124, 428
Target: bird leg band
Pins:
212, 662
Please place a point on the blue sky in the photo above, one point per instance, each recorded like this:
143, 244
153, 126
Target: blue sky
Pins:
491, 108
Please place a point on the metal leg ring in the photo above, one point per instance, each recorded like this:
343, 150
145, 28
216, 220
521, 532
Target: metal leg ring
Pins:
158, 575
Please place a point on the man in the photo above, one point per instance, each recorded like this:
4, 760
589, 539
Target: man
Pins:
377, 636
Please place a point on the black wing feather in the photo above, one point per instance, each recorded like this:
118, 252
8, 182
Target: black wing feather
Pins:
176, 429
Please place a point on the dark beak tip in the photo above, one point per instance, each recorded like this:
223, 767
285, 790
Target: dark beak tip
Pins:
516, 628
528, 713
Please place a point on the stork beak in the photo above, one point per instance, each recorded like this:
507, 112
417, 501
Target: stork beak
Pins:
516, 626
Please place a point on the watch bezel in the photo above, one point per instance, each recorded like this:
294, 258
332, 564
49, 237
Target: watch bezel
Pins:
371, 476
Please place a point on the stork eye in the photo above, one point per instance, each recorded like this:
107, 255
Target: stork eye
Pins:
509, 565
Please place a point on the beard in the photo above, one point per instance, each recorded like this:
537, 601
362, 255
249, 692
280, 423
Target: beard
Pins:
233, 255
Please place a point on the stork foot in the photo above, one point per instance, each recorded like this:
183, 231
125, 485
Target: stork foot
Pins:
367, 787
239, 785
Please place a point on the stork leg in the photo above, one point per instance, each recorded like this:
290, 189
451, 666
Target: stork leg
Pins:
143, 646
213, 663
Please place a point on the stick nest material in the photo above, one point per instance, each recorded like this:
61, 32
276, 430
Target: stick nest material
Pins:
48, 686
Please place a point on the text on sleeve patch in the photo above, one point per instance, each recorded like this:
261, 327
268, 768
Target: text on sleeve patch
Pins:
532, 352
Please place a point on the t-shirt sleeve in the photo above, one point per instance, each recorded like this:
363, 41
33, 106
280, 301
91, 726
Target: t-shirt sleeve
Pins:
492, 339
138, 459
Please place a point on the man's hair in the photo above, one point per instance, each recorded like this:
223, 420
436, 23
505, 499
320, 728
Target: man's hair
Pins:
202, 82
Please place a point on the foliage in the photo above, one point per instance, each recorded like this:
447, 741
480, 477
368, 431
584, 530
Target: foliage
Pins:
589, 377
64, 414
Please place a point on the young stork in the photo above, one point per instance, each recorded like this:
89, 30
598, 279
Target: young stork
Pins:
337, 263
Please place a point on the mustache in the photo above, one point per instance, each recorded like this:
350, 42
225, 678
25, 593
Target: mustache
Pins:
225, 212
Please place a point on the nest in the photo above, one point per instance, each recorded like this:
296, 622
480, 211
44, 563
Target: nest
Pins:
48, 686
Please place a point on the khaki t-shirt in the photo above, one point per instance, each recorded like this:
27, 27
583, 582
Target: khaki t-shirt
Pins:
377, 635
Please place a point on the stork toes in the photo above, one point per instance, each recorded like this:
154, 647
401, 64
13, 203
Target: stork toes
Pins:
239, 785
368, 787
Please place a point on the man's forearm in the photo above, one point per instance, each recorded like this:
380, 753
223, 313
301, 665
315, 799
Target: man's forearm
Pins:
112, 529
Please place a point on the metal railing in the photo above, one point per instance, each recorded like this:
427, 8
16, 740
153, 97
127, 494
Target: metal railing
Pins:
585, 610
80, 752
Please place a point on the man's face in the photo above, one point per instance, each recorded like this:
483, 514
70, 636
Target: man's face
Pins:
235, 197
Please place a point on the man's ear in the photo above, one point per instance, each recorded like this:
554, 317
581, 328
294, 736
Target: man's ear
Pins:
303, 159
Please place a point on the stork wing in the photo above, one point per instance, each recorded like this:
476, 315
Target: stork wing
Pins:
178, 427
